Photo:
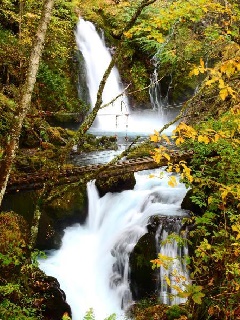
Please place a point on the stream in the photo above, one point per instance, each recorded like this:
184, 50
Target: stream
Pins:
92, 264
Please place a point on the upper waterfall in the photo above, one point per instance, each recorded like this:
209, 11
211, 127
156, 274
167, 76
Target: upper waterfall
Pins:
116, 117
97, 58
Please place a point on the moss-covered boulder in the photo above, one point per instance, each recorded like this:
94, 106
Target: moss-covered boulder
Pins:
25, 291
14, 233
66, 205
116, 183
148, 309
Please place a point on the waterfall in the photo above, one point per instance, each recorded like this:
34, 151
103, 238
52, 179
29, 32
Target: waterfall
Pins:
117, 117
155, 89
92, 265
97, 58
159, 102
176, 272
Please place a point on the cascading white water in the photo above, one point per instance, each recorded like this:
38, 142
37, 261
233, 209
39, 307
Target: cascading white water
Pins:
97, 58
155, 90
116, 117
176, 272
92, 264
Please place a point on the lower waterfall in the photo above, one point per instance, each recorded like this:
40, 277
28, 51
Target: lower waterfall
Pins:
92, 265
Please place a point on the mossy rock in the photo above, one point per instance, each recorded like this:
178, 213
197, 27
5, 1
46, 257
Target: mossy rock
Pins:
14, 235
50, 298
68, 206
142, 150
176, 312
93, 143
142, 276
116, 183
13, 230
25, 291
148, 310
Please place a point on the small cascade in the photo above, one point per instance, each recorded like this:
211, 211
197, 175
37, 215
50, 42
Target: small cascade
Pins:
97, 58
176, 271
155, 89
92, 265
159, 102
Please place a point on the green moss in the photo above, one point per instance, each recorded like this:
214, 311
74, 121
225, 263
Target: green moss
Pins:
148, 309
143, 150
175, 312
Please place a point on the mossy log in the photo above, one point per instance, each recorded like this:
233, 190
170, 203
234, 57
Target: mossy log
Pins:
31, 181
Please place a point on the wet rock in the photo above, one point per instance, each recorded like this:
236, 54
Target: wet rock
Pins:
32, 292
188, 204
142, 276
52, 299
66, 209
116, 183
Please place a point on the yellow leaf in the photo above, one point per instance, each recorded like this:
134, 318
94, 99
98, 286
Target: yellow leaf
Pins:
236, 228
177, 288
194, 72
172, 182
166, 138
177, 168
237, 66
157, 157
168, 281
230, 70
179, 140
231, 91
166, 156
155, 137
201, 63
216, 137
223, 93
224, 194
214, 79
210, 199
223, 67
221, 84
204, 139
128, 34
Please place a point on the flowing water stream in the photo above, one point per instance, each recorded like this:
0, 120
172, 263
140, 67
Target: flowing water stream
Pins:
92, 264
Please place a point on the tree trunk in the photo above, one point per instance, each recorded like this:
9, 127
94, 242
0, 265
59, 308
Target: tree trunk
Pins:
25, 98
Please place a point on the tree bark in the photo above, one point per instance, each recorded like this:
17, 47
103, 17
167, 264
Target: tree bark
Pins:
25, 98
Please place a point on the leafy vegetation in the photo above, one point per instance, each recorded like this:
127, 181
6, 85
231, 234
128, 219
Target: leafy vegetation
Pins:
212, 173
193, 43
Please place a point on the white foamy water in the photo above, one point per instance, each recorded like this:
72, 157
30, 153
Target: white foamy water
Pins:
92, 264
97, 58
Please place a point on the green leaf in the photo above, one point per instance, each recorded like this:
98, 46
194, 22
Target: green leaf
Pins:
197, 297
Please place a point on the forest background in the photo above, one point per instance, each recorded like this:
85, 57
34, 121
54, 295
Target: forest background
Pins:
196, 47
